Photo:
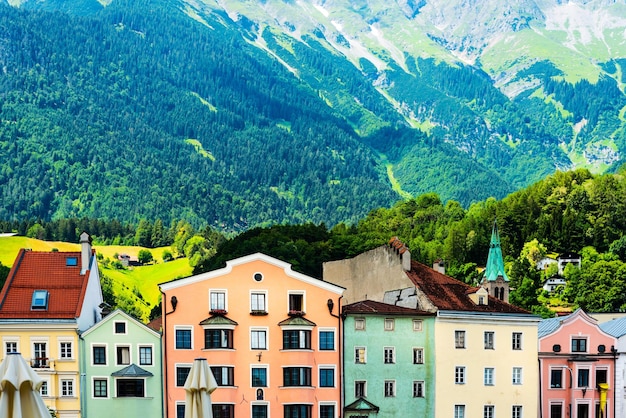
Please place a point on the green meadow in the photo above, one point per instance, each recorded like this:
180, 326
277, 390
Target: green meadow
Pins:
135, 285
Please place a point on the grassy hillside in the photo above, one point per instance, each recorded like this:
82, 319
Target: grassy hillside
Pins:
137, 284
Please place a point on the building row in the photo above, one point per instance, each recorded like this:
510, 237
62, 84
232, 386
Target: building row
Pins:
380, 336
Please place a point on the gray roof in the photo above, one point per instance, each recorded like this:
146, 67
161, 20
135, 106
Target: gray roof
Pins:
132, 371
615, 327
548, 326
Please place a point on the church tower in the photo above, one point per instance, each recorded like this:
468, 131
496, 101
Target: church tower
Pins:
495, 280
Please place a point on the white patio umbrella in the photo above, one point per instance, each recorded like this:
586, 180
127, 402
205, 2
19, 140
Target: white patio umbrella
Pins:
19, 389
199, 385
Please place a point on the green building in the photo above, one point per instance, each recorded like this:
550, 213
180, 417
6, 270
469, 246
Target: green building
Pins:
388, 361
121, 370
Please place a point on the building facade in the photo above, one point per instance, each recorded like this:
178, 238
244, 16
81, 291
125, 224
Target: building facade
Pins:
577, 365
485, 350
121, 369
270, 335
389, 362
48, 298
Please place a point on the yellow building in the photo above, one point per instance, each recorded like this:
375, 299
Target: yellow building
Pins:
48, 298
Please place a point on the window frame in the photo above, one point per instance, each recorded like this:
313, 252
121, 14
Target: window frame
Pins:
553, 374
254, 300
183, 341
265, 380
126, 382
224, 371
579, 344
177, 376
360, 355
516, 341
489, 376
517, 375
218, 300
459, 411
360, 388
517, 411
583, 373
359, 324
119, 347
67, 388
419, 389
323, 341
327, 370
297, 376
100, 379
104, 348
489, 340
257, 343
141, 355
389, 355
389, 388
459, 375
460, 339
418, 355
63, 349
389, 324
296, 301
489, 411
297, 410
418, 325
121, 323
226, 336
302, 340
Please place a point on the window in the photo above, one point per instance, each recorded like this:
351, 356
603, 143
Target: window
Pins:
258, 340
359, 324
390, 388
123, 355
297, 376
100, 388
488, 376
180, 410
99, 354
389, 324
516, 341
418, 356
67, 387
516, 411
418, 325
259, 411
459, 339
296, 339
120, 327
218, 301
327, 340
218, 338
579, 345
183, 339
517, 376
488, 411
259, 377
389, 355
459, 375
327, 411
257, 302
296, 302
10, 347
556, 410
43, 390
224, 375
71, 261
556, 378
583, 378
359, 389
222, 410
488, 340
181, 375
297, 411
359, 355
418, 389
39, 300
130, 388
601, 376
145, 355
327, 378
459, 411
65, 350
40, 359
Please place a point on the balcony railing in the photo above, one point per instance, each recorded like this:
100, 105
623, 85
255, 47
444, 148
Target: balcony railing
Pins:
40, 363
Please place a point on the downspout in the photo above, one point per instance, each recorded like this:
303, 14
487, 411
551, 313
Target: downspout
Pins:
83, 377
614, 352
164, 347
340, 319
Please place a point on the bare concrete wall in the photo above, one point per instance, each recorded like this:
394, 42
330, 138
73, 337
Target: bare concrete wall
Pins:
369, 275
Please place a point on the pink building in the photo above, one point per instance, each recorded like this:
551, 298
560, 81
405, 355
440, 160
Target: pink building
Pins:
577, 368
270, 335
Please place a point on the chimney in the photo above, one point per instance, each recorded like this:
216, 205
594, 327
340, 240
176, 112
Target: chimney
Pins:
439, 266
85, 252
402, 251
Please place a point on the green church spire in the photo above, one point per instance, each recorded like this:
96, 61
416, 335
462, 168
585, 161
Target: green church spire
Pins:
495, 262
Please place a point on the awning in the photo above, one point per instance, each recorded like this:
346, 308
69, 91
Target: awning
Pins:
132, 371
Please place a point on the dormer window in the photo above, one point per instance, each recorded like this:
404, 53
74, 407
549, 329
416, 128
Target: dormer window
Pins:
71, 261
40, 300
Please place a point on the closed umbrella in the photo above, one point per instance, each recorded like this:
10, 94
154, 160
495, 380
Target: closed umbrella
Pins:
19, 389
199, 385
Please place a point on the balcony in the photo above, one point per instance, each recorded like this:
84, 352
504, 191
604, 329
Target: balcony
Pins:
40, 363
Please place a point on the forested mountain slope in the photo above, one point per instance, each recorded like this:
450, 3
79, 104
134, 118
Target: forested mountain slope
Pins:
239, 114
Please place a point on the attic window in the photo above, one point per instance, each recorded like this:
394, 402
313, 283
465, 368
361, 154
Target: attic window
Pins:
40, 300
71, 261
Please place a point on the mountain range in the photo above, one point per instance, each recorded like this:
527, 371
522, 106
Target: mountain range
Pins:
236, 113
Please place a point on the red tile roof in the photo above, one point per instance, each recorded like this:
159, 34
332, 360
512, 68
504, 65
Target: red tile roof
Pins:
450, 294
156, 324
372, 307
34, 270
